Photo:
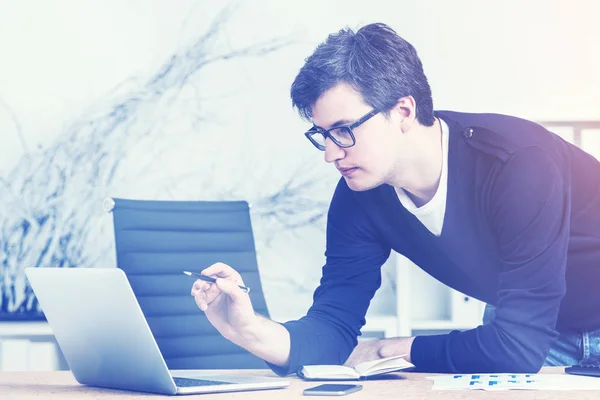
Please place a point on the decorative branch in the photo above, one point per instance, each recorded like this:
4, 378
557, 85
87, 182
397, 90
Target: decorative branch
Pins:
54, 196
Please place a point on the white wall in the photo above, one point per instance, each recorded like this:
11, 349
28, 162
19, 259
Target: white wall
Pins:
60, 59
536, 58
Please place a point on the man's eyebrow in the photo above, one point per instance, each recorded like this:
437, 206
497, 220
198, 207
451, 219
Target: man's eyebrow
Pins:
335, 124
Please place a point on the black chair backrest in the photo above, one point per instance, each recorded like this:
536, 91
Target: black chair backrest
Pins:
155, 242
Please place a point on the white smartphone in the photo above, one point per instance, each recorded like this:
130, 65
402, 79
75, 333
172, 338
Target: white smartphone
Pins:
331, 389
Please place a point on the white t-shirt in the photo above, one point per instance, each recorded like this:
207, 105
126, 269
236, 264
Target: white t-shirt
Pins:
432, 213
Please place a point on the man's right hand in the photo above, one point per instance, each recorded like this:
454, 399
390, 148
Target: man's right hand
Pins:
227, 306
230, 310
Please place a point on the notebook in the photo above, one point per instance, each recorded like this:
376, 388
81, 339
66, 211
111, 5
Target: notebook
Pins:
359, 372
105, 339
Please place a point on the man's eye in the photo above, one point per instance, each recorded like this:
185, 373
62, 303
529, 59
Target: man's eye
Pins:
341, 132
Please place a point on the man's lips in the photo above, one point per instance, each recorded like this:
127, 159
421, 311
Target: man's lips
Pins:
347, 171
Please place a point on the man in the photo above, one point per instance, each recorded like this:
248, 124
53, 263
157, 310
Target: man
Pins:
494, 206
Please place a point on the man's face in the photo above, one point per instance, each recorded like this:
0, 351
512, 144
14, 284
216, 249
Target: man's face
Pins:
369, 162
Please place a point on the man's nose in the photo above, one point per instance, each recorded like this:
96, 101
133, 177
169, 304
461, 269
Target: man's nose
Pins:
333, 152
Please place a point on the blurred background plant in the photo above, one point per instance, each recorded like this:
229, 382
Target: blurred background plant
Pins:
51, 211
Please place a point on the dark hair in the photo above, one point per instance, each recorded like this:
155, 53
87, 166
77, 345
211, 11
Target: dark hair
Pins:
375, 61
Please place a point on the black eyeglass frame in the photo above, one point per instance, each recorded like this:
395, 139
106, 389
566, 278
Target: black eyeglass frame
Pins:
325, 133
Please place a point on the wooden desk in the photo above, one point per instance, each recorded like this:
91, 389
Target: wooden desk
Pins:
62, 385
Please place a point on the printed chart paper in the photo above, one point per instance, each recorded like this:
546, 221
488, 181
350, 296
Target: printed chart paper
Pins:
514, 382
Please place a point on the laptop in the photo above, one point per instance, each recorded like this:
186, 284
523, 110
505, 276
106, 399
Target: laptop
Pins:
104, 336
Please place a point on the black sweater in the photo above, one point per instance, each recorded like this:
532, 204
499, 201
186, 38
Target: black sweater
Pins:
521, 232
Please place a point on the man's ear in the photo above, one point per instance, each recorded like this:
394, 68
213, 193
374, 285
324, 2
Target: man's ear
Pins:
406, 110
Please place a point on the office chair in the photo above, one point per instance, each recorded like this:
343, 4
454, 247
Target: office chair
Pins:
157, 240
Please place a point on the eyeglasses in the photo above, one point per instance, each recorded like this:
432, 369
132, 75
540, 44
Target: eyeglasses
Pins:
342, 136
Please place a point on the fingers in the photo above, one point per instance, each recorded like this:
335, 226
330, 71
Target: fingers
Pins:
387, 351
232, 289
228, 280
201, 303
223, 271
200, 287
204, 293
394, 347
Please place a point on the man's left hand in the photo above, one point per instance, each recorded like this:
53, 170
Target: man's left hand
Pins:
369, 350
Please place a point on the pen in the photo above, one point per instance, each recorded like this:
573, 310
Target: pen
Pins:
212, 280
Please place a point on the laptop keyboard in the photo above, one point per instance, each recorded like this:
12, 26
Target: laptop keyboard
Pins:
187, 382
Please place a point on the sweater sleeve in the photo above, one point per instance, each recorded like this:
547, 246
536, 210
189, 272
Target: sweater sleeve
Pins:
351, 276
528, 211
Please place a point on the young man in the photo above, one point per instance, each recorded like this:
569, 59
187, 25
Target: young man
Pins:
494, 206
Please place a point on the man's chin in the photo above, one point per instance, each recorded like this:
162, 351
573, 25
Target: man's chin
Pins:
358, 185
